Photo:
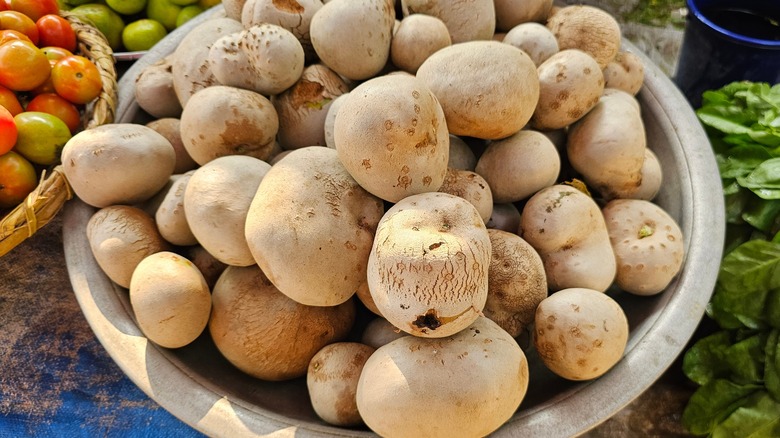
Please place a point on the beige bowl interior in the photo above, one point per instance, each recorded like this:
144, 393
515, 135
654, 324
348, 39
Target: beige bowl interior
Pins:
201, 388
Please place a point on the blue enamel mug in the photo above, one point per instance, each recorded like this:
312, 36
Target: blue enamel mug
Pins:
726, 41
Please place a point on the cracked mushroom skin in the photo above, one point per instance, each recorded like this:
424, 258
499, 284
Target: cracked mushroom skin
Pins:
303, 108
428, 267
471, 187
392, 137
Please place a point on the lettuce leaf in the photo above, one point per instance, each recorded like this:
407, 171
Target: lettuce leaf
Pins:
757, 417
706, 359
772, 368
746, 276
712, 403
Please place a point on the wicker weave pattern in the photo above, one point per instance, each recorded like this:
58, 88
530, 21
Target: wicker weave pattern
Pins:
53, 191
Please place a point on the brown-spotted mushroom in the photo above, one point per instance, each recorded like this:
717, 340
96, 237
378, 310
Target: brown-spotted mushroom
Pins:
352, 37
487, 89
648, 245
587, 28
332, 380
570, 85
391, 135
294, 16
580, 333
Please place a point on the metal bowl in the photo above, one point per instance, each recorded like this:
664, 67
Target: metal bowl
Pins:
201, 388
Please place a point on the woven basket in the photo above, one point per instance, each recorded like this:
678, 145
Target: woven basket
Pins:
53, 190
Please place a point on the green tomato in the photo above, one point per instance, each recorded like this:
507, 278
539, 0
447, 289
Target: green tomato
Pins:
41, 137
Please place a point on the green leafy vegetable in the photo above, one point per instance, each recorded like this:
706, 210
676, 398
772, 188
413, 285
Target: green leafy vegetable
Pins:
738, 368
706, 359
746, 360
713, 403
746, 276
757, 417
764, 179
772, 368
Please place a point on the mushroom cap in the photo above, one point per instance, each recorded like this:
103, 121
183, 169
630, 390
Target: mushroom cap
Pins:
428, 267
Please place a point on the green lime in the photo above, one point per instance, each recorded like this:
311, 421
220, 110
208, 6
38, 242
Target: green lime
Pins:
188, 13
41, 137
127, 7
108, 22
184, 2
143, 34
163, 11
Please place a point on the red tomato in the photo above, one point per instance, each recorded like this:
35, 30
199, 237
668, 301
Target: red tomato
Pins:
4, 6
55, 105
15, 20
17, 179
34, 9
77, 79
8, 131
9, 101
55, 53
22, 66
7, 35
54, 30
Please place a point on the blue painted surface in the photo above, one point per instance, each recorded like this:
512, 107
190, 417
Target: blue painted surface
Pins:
56, 380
